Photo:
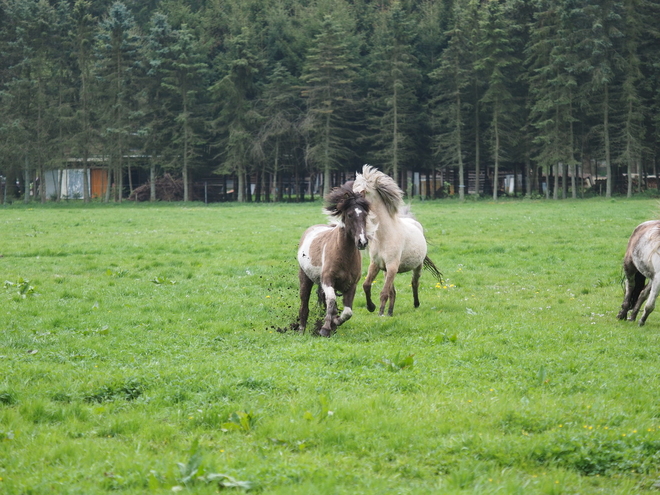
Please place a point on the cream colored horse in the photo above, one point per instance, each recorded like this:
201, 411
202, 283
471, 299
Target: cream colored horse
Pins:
641, 262
399, 244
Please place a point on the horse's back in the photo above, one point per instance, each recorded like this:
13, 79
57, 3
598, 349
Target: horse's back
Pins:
644, 248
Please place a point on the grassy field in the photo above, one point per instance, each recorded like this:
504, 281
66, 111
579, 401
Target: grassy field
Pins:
139, 352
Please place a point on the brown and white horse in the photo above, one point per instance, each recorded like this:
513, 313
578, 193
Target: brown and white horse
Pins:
329, 256
399, 244
641, 262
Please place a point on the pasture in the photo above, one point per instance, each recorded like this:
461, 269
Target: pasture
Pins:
140, 353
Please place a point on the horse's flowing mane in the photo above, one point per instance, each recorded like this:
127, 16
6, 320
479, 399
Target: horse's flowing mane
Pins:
374, 182
341, 198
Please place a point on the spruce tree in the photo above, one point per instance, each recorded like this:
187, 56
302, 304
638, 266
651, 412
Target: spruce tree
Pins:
328, 77
117, 48
236, 96
82, 40
550, 72
393, 98
629, 141
156, 122
449, 106
598, 39
496, 61
282, 110
185, 79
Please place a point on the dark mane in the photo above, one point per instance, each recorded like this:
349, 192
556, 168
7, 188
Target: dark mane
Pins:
342, 198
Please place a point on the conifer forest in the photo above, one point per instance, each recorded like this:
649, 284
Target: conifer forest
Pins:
280, 100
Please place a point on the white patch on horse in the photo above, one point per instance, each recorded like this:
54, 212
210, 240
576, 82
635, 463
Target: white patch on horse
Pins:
346, 314
330, 294
312, 269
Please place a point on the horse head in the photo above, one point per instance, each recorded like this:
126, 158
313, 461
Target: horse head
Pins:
351, 210
379, 188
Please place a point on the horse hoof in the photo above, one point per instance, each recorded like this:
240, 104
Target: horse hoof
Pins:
325, 333
371, 308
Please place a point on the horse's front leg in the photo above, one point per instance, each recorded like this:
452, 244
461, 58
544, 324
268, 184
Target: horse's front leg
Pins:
329, 325
372, 272
388, 292
346, 314
415, 284
306, 285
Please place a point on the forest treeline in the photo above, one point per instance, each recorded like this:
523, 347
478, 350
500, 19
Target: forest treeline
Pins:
263, 89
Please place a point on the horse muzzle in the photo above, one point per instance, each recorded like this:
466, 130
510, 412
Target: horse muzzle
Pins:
362, 244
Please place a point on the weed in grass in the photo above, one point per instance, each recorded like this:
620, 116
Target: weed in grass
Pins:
240, 421
7, 398
398, 363
321, 412
193, 471
130, 389
22, 287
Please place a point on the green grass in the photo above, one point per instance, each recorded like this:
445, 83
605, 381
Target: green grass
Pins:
139, 352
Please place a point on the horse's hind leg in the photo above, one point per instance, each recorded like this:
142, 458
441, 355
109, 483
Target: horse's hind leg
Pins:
639, 288
654, 285
415, 284
634, 284
643, 295
371, 276
388, 292
305, 291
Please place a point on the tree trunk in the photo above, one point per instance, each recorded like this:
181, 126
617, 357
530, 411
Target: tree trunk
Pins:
497, 155
86, 189
528, 176
461, 173
477, 140
606, 136
395, 133
571, 142
327, 172
152, 181
241, 184
26, 179
108, 187
276, 167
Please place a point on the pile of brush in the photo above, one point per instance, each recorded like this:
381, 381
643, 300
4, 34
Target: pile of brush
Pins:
167, 189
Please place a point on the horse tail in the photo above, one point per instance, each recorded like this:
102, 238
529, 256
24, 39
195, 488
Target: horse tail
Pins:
430, 266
